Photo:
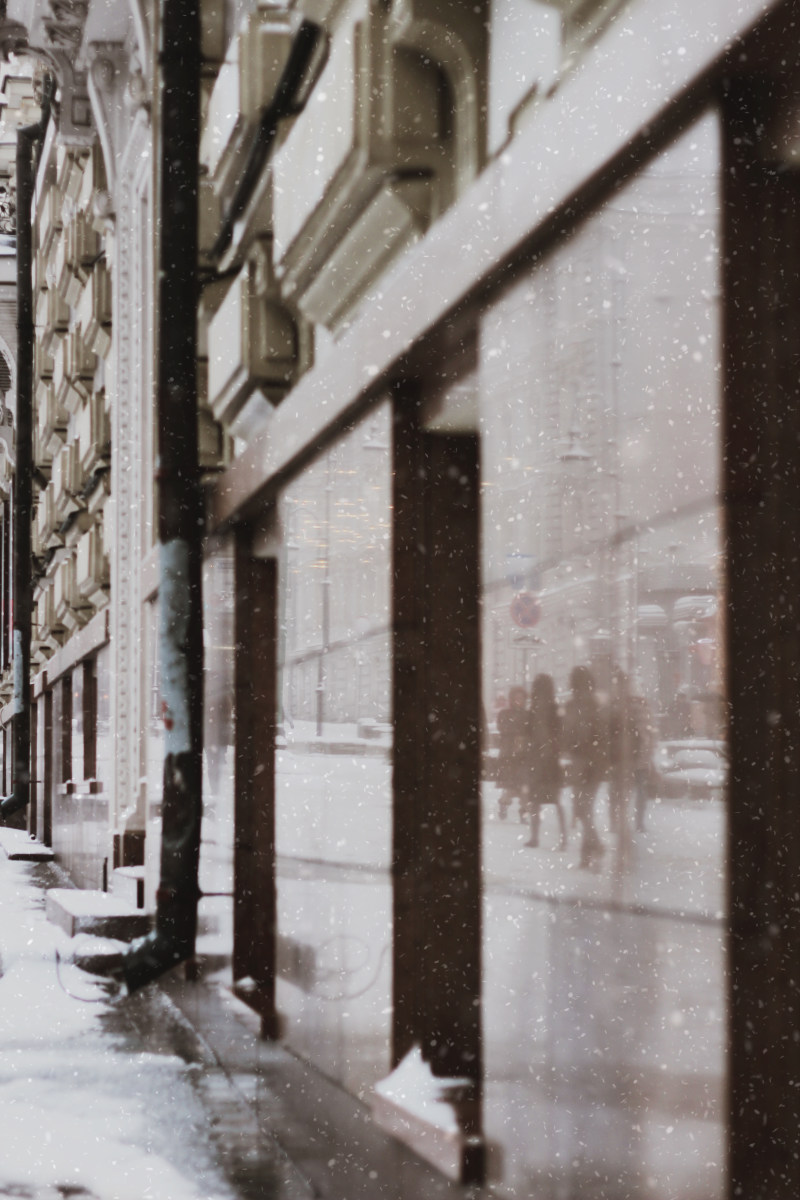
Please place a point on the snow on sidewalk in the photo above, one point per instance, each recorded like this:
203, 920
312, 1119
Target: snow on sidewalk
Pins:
89, 1108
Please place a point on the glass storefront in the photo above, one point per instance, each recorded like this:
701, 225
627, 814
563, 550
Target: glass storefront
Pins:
333, 758
604, 747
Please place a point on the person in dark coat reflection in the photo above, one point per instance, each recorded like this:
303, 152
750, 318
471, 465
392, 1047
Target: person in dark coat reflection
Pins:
544, 758
628, 756
512, 726
584, 744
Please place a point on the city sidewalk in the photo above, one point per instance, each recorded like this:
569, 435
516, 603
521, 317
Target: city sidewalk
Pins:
169, 1094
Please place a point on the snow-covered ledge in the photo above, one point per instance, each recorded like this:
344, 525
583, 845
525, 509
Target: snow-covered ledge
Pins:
427, 1113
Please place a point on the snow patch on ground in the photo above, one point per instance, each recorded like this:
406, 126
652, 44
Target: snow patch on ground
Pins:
94, 1102
413, 1086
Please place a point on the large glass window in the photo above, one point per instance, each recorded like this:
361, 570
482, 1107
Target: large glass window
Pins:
333, 758
604, 748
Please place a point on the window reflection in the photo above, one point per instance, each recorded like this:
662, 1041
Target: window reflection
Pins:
600, 497
604, 749
333, 770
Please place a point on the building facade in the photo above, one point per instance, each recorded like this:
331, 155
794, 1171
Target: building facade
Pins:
496, 315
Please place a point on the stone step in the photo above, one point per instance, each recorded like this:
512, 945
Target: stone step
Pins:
127, 883
76, 910
19, 845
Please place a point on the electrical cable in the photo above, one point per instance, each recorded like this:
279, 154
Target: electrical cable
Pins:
101, 983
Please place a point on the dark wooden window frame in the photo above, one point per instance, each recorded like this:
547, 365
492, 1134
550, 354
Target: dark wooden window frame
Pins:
255, 666
66, 727
89, 711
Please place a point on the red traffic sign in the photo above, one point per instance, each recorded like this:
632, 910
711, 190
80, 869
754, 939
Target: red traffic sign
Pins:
525, 610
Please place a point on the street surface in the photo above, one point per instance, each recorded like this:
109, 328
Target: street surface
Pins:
106, 1098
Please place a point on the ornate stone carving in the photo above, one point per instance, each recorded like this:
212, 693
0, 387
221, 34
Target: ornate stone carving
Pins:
141, 25
8, 207
137, 93
55, 40
107, 79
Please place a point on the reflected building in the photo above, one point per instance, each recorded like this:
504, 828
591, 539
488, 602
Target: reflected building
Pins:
610, 365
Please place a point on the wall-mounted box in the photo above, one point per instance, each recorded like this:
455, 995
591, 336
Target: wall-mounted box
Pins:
392, 132
395, 218
252, 345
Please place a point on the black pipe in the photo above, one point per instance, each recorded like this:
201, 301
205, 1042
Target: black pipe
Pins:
180, 503
28, 136
179, 494
284, 104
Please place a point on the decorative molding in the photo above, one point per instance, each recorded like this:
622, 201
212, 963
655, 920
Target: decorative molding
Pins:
129, 301
143, 38
386, 162
108, 79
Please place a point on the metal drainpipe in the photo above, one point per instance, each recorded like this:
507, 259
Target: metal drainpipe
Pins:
180, 504
22, 577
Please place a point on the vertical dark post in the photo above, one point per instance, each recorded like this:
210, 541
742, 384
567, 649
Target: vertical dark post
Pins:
23, 490
34, 820
436, 835
66, 728
408, 702
451, 881
5, 585
22, 591
761, 254
47, 774
180, 507
255, 903
89, 718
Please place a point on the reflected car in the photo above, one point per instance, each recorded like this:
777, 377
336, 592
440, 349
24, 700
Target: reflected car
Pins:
694, 769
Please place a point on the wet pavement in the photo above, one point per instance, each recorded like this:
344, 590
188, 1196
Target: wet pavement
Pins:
108, 1097
169, 1094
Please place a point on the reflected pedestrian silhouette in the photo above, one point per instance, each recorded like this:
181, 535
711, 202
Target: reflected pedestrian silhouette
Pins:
512, 761
545, 775
584, 745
